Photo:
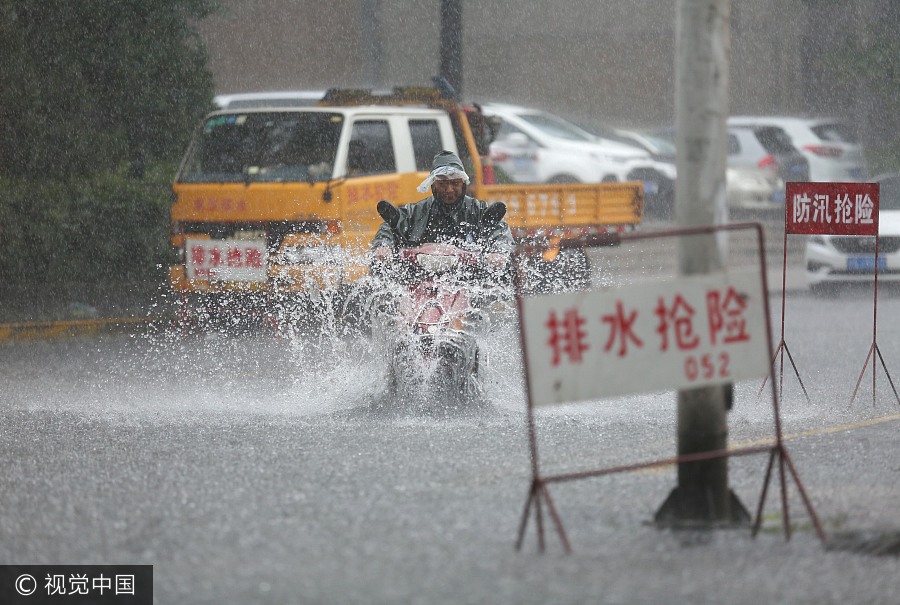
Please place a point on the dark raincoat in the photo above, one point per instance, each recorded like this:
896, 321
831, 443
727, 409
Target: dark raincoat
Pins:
431, 221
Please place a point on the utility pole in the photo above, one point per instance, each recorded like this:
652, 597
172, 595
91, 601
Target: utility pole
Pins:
370, 27
451, 25
702, 497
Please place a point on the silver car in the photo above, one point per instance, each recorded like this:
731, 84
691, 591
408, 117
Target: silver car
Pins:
768, 148
831, 260
829, 145
753, 189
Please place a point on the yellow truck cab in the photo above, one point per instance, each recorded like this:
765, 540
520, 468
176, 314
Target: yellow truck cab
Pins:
274, 199
270, 195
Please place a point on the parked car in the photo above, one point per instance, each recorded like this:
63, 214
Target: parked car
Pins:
768, 148
563, 152
536, 146
659, 170
517, 156
661, 148
753, 189
749, 187
832, 260
829, 145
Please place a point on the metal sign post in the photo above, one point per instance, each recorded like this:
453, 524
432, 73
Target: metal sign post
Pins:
782, 344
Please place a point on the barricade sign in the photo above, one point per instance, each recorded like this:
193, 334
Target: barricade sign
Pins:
692, 331
226, 260
220, 261
831, 208
844, 209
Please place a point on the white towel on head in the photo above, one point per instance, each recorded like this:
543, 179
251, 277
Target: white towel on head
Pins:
451, 172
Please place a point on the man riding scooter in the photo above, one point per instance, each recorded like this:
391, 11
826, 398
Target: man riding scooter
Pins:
445, 252
447, 216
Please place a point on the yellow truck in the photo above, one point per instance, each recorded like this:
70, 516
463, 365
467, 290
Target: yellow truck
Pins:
274, 200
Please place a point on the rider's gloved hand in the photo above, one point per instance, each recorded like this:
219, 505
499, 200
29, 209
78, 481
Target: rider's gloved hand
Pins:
380, 261
496, 260
382, 253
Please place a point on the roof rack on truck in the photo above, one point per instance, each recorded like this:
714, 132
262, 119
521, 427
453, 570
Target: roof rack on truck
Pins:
401, 95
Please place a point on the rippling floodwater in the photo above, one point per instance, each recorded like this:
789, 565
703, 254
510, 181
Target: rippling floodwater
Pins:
245, 467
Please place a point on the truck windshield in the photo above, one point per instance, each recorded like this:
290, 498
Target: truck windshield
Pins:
264, 147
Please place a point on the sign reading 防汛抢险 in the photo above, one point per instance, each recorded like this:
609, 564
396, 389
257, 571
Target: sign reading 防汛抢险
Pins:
687, 332
831, 208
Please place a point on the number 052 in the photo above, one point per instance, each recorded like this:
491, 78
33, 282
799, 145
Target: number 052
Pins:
707, 366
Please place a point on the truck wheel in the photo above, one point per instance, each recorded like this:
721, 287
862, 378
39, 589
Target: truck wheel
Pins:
570, 270
230, 313
561, 179
300, 314
660, 205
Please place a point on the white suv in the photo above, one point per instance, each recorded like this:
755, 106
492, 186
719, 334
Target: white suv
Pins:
829, 145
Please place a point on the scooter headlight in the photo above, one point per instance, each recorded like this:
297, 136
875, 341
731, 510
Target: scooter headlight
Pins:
436, 263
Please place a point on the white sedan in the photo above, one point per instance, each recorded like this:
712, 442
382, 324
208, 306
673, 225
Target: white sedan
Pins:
534, 144
841, 259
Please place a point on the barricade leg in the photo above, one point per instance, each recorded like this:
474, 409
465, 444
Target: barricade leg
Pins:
888, 374
538, 491
782, 349
523, 524
762, 498
863, 372
806, 501
785, 467
785, 512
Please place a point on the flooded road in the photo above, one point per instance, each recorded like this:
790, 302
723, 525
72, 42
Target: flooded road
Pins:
249, 469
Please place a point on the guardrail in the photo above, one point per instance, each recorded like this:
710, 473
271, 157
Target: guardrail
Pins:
54, 330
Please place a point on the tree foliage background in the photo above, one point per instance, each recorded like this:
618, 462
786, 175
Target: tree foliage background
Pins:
861, 58
98, 99
872, 65
87, 84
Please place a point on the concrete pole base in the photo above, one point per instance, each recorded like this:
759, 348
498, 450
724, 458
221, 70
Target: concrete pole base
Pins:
695, 509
